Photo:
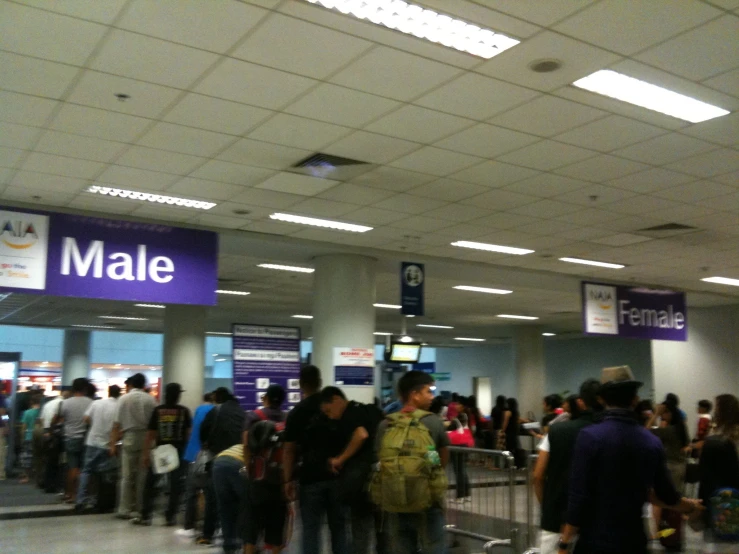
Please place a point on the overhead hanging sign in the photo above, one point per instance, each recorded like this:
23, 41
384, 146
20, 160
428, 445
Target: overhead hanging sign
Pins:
634, 312
354, 366
264, 356
412, 277
93, 257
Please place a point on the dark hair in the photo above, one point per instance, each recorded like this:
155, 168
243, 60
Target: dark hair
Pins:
500, 402
574, 406
706, 405
411, 382
222, 394
35, 400
328, 394
208, 397
641, 407
80, 385
455, 397
727, 416
310, 378
172, 394
137, 381
672, 398
619, 396
114, 391
553, 401
512, 406
437, 404
275, 395
589, 391
92, 390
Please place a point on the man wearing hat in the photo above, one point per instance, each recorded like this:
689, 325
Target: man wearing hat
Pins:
618, 466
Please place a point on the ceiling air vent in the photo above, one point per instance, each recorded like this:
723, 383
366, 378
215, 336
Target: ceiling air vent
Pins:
326, 166
667, 230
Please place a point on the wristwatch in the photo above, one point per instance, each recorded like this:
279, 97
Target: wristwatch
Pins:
563, 545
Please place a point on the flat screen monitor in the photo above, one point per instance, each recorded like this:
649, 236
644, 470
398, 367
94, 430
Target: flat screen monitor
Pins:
405, 352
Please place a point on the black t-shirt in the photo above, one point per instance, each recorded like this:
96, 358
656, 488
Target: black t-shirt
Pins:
360, 415
172, 425
317, 439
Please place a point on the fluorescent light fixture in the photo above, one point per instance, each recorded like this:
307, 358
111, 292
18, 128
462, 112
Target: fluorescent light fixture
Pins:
722, 281
217, 333
388, 306
298, 316
153, 198
469, 339
327, 223
287, 268
220, 359
434, 326
234, 292
412, 19
382, 334
483, 289
44, 363
492, 247
549, 334
509, 316
124, 318
406, 339
592, 262
640, 93
94, 326
158, 306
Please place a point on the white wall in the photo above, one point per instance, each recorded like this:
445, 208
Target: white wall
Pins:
703, 367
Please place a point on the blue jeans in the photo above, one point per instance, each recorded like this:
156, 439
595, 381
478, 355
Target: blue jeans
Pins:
317, 499
229, 486
410, 532
95, 460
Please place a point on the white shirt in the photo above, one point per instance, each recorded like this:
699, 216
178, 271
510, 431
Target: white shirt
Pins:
134, 410
102, 413
50, 409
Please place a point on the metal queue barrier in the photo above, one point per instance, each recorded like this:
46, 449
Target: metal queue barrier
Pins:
490, 501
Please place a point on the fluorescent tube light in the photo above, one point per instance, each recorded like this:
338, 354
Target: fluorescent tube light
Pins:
509, 316
483, 289
302, 316
469, 339
388, 306
94, 326
123, 318
722, 281
233, 292
492, 247
640, 93
220, 360
434, 326
159, 306
592, 262
287, 268
382, 334
549, 334
426, 24
327, 223
217, 333
154, 198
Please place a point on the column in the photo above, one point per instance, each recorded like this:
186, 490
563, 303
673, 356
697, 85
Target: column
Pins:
343, 313
184, 351
528, 359
76, 356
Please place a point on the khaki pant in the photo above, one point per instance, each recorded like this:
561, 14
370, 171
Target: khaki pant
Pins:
133, 476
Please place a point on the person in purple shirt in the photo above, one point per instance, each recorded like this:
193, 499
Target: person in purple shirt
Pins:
618, 466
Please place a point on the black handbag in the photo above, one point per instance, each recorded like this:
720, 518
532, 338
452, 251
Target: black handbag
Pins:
55, 440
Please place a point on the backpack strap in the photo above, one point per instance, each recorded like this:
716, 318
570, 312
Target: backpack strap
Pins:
261, 415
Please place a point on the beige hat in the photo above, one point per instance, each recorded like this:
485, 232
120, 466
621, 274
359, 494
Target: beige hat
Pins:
618, 376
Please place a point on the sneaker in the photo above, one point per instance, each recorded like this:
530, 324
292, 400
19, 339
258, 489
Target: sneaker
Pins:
203, 540
186, 533
141, 521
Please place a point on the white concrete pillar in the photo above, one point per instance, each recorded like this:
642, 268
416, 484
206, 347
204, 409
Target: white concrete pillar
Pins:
76, 356
528, 359
184, 351
343, 313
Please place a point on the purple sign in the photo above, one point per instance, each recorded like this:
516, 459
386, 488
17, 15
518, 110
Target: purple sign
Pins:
634, 312
93, 257
264, 356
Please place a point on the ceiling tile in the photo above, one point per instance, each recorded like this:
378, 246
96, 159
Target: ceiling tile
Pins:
580, 59
60, 165
93, 202
201, 188
548, 227
642, 204
159, 160
76, 146
134, 178
703, 52
594, 196
547, 116
297, 184
37, 77
546, 155
476, 96
213, 114
235, 174
650, 180
18, 136
545, 209
355, 194
150, 59
409, 204
24, 109
664, 149
341, 105
167, 213
435, 161
728, 178
727, 82
694, 192
726, 202
298, 132
500, 200
722, 130
46, 182
374, 216
370, 147
267, 198
185, 21
610, 133
394, 74
709, 164
541, 13
263, 154
220, 221
448, 190
457, 212
300, 47
270, 227
99, 123
318, 207
589, 216
419, 124
421, 224
486, 141
44, 198
493, 174
601, 168
391, 178
178, 138
102, 11
640, 23
546, 185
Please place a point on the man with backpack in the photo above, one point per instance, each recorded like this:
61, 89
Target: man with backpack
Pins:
357, 427
263, 452
410, 486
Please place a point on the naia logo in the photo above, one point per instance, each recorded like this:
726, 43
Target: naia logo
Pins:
603, 297
18, 234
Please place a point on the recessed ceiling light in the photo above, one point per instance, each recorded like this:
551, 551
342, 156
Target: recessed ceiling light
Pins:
94, 326
549, 334
299, 316
426, 24
509, 316
382, 334
287, 268
482, 289
388, 306
469, 339
159, 306
154, 198
406, 338
217, 333
434, 326
124, 318
625, 88
327, 223
591, 262
492, 247
233, 292
722, 281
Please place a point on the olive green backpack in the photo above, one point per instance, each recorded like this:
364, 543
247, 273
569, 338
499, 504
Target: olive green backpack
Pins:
407, 481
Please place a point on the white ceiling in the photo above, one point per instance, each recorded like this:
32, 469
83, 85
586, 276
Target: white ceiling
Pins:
226, 95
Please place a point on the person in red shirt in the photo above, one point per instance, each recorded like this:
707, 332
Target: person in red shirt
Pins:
462, 436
